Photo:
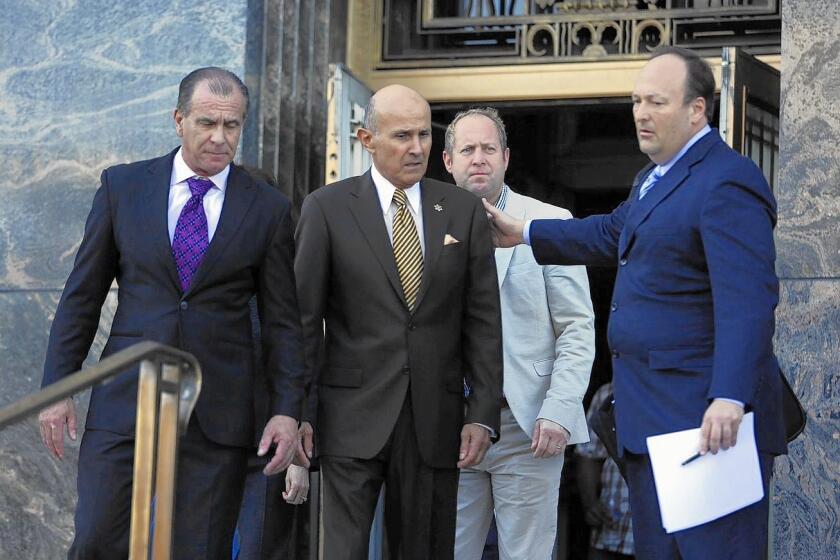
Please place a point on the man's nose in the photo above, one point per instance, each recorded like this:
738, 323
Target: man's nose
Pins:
416, 145
218, 135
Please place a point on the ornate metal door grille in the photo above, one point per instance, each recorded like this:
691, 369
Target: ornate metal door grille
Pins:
532, 31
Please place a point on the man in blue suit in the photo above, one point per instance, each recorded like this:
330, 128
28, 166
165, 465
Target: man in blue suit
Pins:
692, 321
189, 238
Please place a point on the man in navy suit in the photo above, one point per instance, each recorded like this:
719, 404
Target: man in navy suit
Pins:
189, 238
692, 322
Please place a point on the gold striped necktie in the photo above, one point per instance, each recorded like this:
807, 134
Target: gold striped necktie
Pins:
407, 251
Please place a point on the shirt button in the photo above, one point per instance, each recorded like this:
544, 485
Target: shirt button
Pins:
622, 262
184, 305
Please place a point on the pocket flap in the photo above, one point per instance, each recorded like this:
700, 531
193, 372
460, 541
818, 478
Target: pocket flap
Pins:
543, 368
681, 358
341, 377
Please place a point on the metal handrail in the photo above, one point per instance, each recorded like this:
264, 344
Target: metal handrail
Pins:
105, 369
168, 387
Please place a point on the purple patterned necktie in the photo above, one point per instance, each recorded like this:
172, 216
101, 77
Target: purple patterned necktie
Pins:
190, 241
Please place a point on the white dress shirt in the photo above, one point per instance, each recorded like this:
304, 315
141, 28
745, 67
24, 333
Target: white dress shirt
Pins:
385, 190
179, 194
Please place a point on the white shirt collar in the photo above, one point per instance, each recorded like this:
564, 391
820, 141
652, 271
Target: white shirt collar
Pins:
385, 191
665, 167
181, 172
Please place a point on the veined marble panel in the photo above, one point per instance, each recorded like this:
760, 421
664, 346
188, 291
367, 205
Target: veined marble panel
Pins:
85, 84
39, 492
806, 501
808, 233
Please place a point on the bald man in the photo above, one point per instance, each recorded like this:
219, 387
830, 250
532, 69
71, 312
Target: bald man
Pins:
400, 309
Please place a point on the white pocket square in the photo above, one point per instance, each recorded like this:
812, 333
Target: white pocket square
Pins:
449, 240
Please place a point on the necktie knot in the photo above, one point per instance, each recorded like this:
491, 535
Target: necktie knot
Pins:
652, 178
400, 198
199, 186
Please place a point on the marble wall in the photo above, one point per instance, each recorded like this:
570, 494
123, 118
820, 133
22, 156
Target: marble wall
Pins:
807, 488
84, 84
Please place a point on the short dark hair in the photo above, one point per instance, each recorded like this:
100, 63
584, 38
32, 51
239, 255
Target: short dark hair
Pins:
699, 80
220, 81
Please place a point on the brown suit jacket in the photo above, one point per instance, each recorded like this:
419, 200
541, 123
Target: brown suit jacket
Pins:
366, 351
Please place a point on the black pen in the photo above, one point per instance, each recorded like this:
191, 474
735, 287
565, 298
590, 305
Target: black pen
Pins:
692, 458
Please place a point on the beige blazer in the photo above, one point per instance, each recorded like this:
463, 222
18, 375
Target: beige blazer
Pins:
547, 331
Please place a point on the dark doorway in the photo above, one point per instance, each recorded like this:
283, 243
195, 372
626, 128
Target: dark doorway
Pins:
582, 156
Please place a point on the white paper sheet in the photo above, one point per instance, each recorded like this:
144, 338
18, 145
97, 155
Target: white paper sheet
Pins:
709, 487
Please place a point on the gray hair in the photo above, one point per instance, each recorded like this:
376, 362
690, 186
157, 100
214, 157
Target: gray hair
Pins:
370, 116
220, 81
488, 112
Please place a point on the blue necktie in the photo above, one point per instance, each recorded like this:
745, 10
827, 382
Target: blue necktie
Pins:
650, 180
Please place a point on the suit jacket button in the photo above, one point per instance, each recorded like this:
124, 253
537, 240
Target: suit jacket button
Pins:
615, 354
411, 326
406, 370
622, 262
184, 306
613, 307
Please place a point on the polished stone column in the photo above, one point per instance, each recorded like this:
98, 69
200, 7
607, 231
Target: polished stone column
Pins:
291, 44
806, 504
83, 85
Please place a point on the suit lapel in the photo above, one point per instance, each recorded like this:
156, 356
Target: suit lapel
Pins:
365, 207
675, 177
239, 195
503, 256
156, 212
435, 221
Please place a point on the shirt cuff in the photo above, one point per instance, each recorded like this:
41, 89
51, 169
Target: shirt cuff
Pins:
526, 232
733, 401
488, 428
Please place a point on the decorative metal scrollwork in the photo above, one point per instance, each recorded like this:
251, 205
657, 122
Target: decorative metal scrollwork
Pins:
523, 31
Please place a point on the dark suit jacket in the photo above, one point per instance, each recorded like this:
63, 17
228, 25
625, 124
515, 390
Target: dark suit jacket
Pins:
373, 350
693, 306
252, 252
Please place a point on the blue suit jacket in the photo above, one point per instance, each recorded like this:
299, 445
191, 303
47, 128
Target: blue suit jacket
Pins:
693, 307
126, 239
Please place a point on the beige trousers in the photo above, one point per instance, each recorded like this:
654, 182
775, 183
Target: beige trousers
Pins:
521, 490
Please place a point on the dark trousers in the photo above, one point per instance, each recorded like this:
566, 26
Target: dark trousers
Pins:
741, 535
210, 479
420, 501
269, 528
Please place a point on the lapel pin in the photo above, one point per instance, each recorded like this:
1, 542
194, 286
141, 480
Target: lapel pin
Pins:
438, 207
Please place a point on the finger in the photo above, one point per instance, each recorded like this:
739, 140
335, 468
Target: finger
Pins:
543, 445
705, 429
308, 443
535, 439
301, 458
71, 421
57, 434
714, 438
278, 462
726, 436
265, 442
465, 444
472, 452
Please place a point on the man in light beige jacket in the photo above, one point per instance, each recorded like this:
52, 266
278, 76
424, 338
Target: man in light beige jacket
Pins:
548, 339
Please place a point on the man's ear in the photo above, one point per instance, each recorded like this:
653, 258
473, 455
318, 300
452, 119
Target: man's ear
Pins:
447, 162
365, 136
698, 107
178, 117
